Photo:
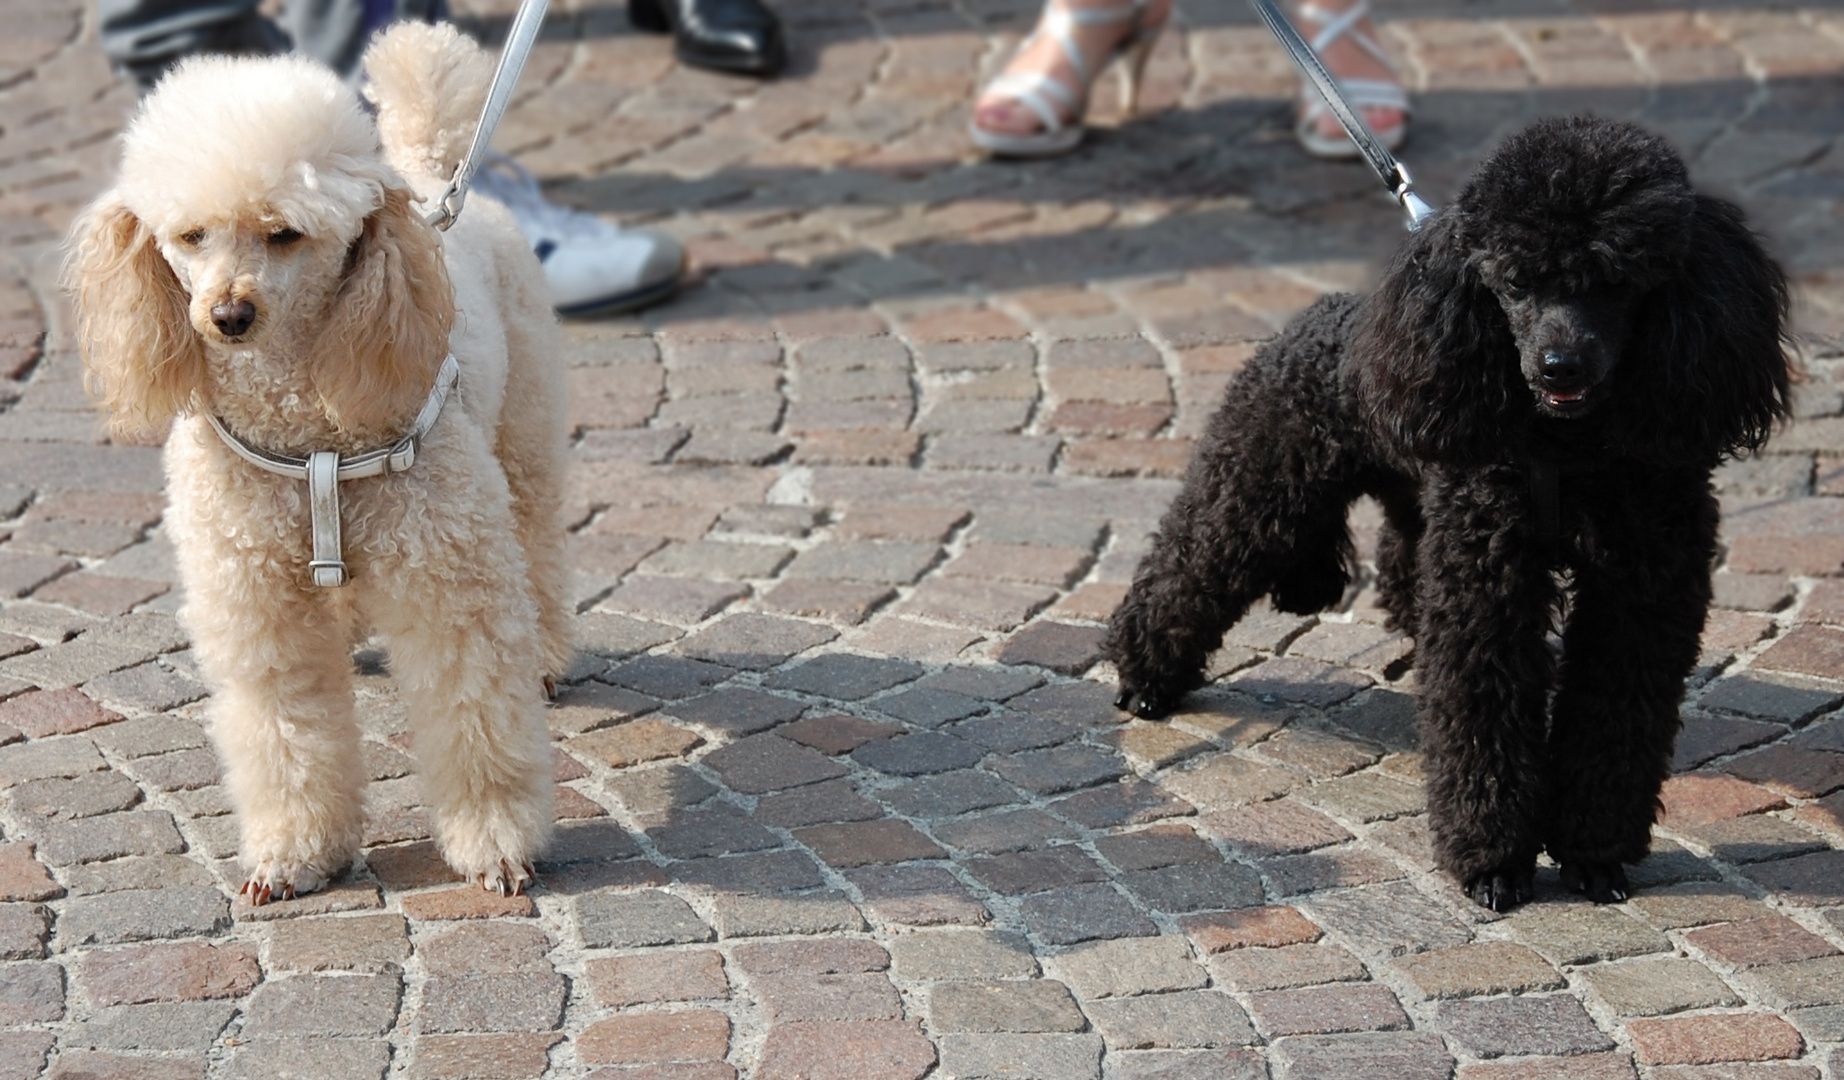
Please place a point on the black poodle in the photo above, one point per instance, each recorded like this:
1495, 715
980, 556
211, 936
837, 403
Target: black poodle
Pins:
1536, 394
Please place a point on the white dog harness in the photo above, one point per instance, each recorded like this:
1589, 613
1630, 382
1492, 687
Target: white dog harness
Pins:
324, 469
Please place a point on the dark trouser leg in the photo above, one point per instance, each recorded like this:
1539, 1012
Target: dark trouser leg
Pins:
145, 37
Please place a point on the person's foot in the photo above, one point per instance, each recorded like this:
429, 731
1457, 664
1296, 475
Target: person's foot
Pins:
1044, 89
740, 36
591, 266
1355, 57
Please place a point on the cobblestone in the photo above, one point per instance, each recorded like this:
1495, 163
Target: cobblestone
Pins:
929, 411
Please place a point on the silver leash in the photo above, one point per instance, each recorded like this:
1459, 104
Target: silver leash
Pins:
505, 79
1392, 172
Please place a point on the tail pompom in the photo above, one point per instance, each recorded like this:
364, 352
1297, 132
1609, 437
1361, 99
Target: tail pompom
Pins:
429, 83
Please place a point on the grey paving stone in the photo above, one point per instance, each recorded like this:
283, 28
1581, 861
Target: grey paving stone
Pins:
917, 896
1195, 887
1405, 1055
1059, 769
1008, 732
1802, 984
1578, 933
762, 916
1047, 530
667, 676
183, 1026
41, 759
919, 754
75, 662
1186, 1065
724, 560
140, 736
986, 683
324, 1005
148, 687
1014, 1006
816, 804
844, 676
617, 636
499, 1001
1650, 987
880, 562
717, 830
1076, 913
1253, 969
1191, 1020
108, 836
948, 794
1020, 873
972, 1056
142, 915
764, 763
766, 873
955, 955
1132, 801
1491, 1027
737, 710
1387, 920
1009, 830
32, 993
584, 841
61, 799
1082, 704
1132, 965
753, 641
1785, 698
929, 707
24, 929
1327, 1010
136, 873
635, 919
311, 1059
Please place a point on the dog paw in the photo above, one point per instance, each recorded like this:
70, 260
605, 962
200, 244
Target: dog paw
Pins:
1145, 704
273, 880
1603, 883
1502, 888
508, 878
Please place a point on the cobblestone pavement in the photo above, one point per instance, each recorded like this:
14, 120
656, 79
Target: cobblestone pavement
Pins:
843, 793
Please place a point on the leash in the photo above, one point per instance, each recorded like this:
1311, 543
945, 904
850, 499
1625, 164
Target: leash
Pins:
324, 470
499, 95
1392, 172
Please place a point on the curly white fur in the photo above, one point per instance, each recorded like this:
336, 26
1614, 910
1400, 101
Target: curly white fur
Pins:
262, 182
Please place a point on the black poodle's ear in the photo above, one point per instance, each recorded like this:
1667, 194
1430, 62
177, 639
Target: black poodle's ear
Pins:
1434, 360
1706, 369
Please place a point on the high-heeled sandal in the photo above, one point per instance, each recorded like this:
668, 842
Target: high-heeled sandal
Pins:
1362, 93
1043, 93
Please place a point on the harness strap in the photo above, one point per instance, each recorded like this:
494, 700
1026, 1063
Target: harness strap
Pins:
325, 469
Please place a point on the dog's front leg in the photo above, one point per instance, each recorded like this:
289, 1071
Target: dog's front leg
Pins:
1632, 637
282, 721
1484, 603
465, 645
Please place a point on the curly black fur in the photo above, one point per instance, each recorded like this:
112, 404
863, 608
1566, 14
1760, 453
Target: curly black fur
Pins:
1578, 312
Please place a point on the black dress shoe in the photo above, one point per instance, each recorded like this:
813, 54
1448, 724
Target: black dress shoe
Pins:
729, 35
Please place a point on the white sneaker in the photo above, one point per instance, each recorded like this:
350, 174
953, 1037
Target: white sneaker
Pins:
590, 265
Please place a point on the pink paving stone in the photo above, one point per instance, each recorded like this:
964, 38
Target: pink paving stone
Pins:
982, 324
185, 971
988, 605
1265, 927
23, 877
658, 976
1703, 1040
467, 902
846, 1050
642, 1038
677, 1070
1020, 562
1775, 939
1702, 798
858, 446
39, 713
1614, 1065
1127, 457
513, 1056
100, 594
1807, 650
1094, 602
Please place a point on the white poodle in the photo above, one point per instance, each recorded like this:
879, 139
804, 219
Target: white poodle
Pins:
262, 262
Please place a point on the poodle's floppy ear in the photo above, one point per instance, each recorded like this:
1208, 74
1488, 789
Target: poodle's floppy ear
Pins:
1706, 372
144, 361
1433, 357
388, 324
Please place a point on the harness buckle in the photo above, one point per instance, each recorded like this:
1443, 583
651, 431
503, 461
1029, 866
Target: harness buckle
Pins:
402, 456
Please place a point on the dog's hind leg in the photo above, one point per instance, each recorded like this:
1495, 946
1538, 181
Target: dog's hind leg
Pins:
531, 449
1484, 606
1632, 637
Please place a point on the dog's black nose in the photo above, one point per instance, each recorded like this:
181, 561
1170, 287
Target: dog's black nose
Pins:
234, 318
1564, 371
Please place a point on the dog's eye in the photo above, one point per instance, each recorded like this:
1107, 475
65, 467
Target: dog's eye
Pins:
192, 237
283, 237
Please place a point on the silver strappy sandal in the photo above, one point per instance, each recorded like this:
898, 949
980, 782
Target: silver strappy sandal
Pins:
1059, 105
1362, 93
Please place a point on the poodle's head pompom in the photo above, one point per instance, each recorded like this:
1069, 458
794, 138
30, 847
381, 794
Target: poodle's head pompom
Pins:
252, 203
1577, 273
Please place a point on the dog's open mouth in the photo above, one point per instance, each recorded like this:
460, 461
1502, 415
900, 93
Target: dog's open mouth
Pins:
1565, 402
